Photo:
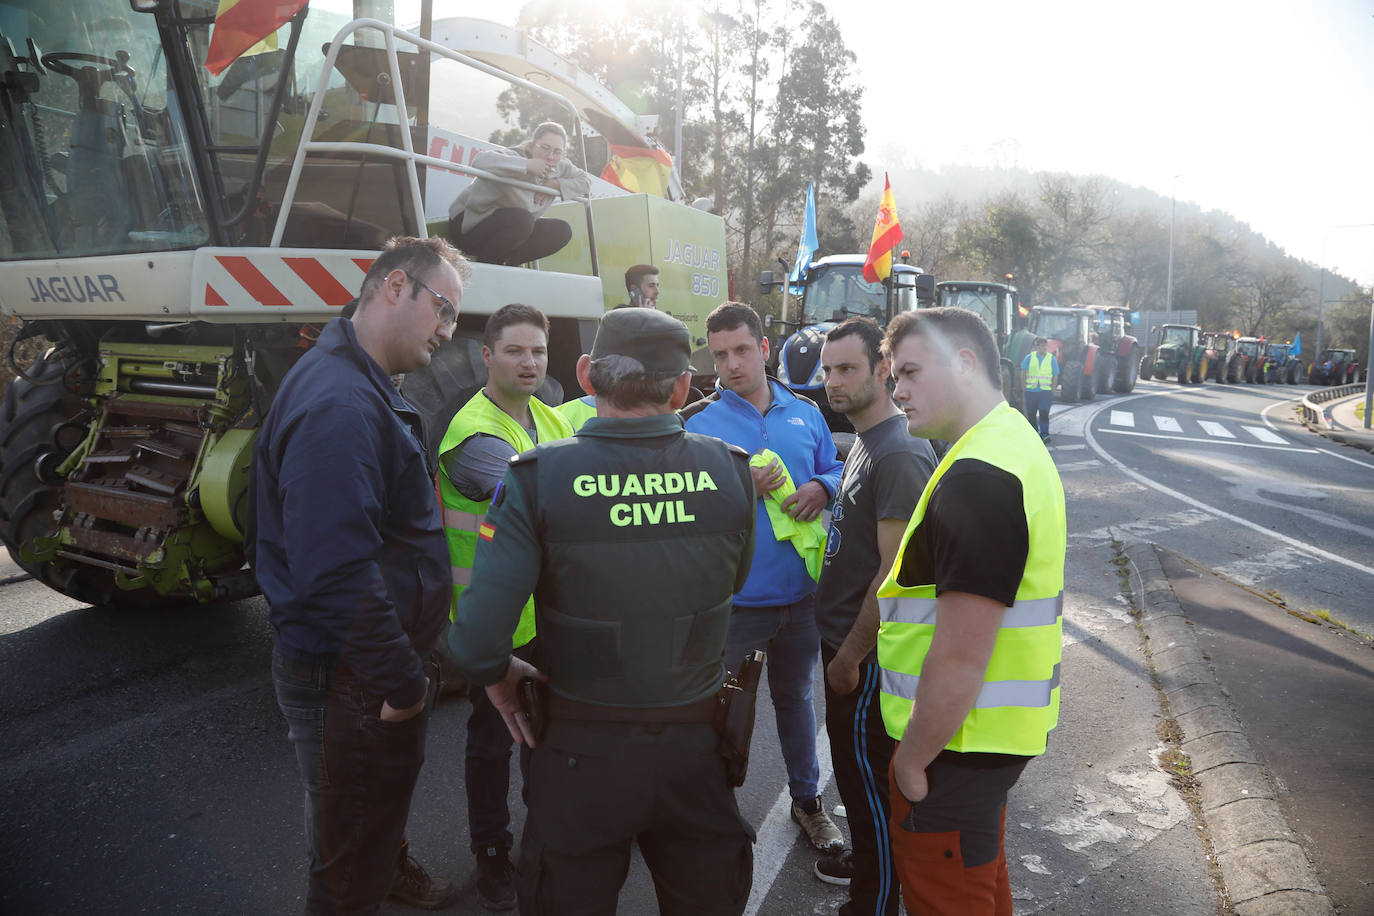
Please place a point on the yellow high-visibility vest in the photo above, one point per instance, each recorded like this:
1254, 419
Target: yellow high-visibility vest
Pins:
463, 517
1019, 701
1040, 372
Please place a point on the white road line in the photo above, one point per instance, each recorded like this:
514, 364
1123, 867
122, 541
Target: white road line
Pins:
1264, 435
1264, 414
778, 834
1244, 523
1140, 527
1123, 418
1080, 465
1167, 425
1236, 444
1256, 569
1365, 464
1213, 428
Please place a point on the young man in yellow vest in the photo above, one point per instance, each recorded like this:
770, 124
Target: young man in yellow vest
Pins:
970, 641
1040, 369
500, 421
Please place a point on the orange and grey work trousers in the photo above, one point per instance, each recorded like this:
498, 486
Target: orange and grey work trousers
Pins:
948, 846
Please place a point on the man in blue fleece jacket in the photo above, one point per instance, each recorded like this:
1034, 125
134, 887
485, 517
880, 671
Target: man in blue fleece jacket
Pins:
775, 610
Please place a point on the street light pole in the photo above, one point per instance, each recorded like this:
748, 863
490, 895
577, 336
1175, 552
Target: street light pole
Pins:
1173, 214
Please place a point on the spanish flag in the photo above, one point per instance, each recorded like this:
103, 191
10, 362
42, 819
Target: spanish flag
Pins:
887, 234
241, 25
639, 169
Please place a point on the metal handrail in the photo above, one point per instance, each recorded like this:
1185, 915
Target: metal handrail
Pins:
407, 153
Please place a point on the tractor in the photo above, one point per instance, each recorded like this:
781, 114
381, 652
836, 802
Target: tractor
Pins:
1069, 332
1216, 349
1335, 367
1175, 349
1280, 364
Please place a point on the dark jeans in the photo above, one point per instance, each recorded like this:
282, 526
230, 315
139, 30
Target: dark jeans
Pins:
510, 235
596, 787
1038, 405
486, 769
359, 773
861, 750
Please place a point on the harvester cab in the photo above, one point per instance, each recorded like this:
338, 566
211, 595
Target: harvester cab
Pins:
999, 305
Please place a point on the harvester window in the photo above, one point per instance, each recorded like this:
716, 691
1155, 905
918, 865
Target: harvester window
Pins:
94, 146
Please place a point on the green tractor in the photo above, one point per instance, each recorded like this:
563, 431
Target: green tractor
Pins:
1175, 350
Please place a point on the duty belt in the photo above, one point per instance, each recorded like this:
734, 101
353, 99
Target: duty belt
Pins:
560, 707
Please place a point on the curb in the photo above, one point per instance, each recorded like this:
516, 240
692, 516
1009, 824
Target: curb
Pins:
1264, 868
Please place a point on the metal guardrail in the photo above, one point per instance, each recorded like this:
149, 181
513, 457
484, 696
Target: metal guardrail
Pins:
1314, 415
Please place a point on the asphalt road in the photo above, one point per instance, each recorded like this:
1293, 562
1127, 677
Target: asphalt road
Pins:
1227, 476
144, 765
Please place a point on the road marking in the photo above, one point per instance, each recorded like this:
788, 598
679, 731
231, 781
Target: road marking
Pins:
1256, 569
1067, 448
1080, 465
1236, 444
1264, 414
1167, 425
1141, 527
778, 834
1364, 464
1264, 435
1213, 428
1244, 523
1123, 418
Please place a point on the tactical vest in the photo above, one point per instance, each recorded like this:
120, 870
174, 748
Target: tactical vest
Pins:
1040, 373
463, 517
578, 411
643, 543
1019, 701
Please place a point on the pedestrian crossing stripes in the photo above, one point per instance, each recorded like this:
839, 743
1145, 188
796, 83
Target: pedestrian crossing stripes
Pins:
1236, 433
1167, 425
1212, 428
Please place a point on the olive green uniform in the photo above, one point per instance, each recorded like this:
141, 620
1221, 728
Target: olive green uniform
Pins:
633, 536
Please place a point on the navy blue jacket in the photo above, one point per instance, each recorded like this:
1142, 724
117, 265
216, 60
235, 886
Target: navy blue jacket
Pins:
349, 543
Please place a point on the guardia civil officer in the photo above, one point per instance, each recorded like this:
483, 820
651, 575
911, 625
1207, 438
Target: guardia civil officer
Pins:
632, 536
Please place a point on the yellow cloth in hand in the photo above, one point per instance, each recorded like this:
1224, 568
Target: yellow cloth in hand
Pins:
808, 538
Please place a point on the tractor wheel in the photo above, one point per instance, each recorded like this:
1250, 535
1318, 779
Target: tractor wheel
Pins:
1087, 384
1143, 369
1199, 371
40, 423
1292, 374
1125, 372
1072, 386
1107, 378
1184, 372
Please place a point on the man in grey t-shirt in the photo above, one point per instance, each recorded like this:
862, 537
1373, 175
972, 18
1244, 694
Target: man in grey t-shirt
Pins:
883, 479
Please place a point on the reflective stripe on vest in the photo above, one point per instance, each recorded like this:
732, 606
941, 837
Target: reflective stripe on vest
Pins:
463, 517
993, 694
1040, 373
1018, 703
1030, 612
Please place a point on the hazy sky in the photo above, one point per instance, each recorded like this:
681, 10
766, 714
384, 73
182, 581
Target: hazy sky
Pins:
1263, 108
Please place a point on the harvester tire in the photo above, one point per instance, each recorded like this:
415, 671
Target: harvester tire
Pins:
37, 431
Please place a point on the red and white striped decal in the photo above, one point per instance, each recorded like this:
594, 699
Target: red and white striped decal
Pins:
254, 279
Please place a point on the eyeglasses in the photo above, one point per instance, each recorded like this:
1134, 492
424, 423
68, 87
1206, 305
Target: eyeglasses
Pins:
447, 311
556, 152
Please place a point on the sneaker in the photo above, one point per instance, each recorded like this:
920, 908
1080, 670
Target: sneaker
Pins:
817, 825
838, 870
495, 879
414, 887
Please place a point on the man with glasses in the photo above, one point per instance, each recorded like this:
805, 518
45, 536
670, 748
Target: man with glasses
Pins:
349, 550
498, 223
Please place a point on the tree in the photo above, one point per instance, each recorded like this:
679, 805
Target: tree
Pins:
1133, 258
1263, 298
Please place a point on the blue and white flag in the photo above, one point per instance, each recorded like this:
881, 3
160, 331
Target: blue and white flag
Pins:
1297, 345
806, 248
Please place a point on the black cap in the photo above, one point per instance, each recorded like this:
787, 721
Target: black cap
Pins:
659, 341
